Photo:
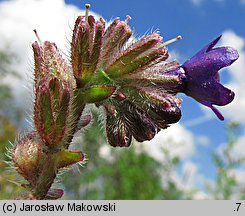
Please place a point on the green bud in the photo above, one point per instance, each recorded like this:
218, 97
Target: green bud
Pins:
53, 108
85, 48
139, 55
115, 37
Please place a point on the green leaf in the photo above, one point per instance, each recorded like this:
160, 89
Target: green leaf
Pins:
94, 94
66, 158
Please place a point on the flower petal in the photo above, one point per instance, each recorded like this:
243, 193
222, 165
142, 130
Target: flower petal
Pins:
211, 59
221, 97
201, 79
210, 91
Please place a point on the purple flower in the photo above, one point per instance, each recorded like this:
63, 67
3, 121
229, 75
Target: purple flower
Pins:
201, 77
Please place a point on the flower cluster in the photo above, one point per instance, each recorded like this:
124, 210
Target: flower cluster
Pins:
127, 80
132, 82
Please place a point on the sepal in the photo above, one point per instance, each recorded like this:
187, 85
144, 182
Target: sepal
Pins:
65, 158
95, 94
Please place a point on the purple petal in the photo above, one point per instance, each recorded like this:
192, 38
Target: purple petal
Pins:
208, 64
213, 92
209, 46
221, 97
215, 110
202, 77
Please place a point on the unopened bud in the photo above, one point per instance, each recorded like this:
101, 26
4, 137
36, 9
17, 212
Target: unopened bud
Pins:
118, 133
86, 47
27, 155
53, 111
53, 94
141, 54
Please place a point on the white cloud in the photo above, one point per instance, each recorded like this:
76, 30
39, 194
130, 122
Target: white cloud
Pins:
239, 175
200, 195
189, 180
53, 21
238, 151
202, 140
235, 110
180, 142
177, 140
189, 170
199, 2
196, 2
105, 152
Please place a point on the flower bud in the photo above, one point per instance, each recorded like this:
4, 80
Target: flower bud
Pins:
53, 95
138, 122
163, 108
139, 55
49, 63
53, 111
27, 155
114, 38
85, 48
118, 134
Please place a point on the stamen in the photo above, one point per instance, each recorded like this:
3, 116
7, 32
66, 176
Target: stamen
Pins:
87, 6
38, 38
172, 40
127, 19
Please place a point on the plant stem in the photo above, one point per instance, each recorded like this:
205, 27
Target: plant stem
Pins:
46, 177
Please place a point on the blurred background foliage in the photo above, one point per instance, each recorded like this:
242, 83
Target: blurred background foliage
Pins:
10, 119
117, 173
121, 173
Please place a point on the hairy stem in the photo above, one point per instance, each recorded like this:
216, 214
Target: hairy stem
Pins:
46, 177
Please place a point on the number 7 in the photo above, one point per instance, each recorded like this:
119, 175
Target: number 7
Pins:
238, 206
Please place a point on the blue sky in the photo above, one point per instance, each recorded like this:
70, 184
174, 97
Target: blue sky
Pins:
197, 21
